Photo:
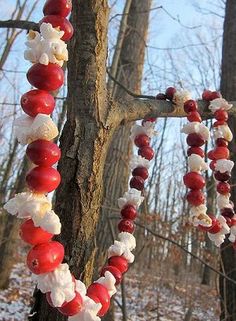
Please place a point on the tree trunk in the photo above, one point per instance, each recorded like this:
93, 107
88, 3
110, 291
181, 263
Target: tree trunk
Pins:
228, 89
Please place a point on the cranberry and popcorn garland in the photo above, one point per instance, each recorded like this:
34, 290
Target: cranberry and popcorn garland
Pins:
47, 51
197, 135
221, 166
216, 227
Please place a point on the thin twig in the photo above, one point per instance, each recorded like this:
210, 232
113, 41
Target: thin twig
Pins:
185, 250
127, 90
19, 24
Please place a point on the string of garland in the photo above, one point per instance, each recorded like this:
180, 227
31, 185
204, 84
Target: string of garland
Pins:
219, 226
47, 51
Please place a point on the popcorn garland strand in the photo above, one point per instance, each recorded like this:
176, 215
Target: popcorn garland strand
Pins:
216, 227
197, 135
221, 167
47, 51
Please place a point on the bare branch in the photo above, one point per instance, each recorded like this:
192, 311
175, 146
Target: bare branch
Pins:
19, 24
135, 109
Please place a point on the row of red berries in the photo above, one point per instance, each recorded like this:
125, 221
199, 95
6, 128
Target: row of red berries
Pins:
46, 255
221, 151
193, 180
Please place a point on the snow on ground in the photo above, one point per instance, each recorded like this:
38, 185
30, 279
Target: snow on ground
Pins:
15, 301
153, 298
148, 298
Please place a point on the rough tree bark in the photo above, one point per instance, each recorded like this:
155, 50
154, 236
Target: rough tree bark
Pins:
228, 89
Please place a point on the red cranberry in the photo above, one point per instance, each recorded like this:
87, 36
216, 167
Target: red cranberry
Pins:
195, 140
126, 226
194, 116
223, 188
222, 177
213, 165
43, 152
215, 94
36, 102
46, 77
146, 152
99, 294
142, 140
215, 228
114, 271
207, 95
190, 105
218, 153
195, 197
33, 235
60, 8
221, 115
45, 257
170, 91
73, 307
221, 142
195, 150
43, 179
137, 182
161, 96
129, 212
119, 262
62, 23
140, 171
194, 180
227, 212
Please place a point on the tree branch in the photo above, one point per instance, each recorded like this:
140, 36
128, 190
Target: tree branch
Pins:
135, 109
19, 24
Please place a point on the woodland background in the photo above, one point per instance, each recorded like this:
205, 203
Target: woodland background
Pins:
152, 45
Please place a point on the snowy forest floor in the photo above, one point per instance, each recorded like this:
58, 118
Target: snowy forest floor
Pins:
148, 298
